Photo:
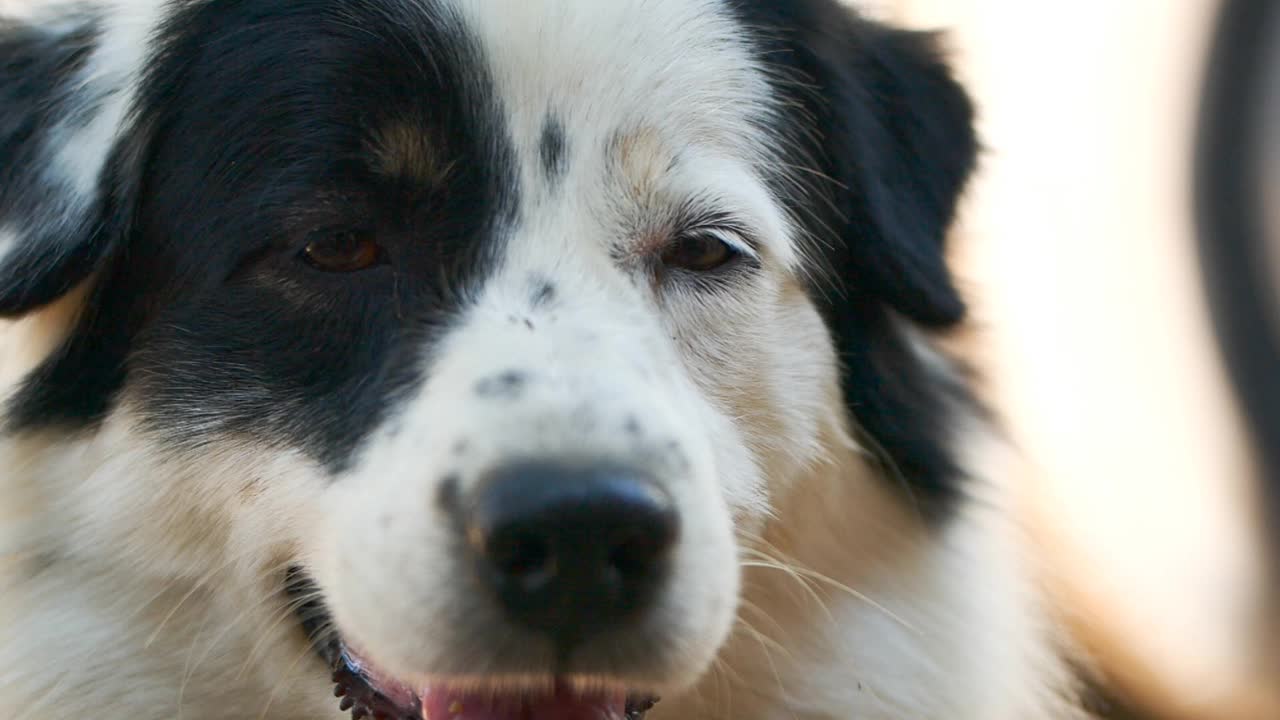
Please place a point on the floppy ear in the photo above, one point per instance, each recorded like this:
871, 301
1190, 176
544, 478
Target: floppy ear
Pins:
65, 87
899, 138
885, 138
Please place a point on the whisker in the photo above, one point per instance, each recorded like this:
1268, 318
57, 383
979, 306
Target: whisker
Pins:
198, 583
195, 587
748, 605
799, 571
792, 571
187, 668
783, 695
289, 609
287, 678
236, 621
761, 636
36, 707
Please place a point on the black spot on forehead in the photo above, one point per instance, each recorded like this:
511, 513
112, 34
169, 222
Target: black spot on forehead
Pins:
553, 149
257, 120
543, 293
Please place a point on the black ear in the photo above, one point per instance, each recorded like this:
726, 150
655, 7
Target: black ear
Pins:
884, 122
899, 138
884, 140
63, 101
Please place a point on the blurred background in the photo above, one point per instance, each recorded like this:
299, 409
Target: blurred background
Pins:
1078, 246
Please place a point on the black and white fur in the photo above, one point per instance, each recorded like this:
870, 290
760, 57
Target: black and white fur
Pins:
193, 410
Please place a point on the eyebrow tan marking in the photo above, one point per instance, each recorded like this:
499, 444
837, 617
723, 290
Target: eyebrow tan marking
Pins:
642, 158
404, 150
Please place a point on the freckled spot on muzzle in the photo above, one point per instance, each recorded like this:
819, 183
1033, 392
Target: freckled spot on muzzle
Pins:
506, 385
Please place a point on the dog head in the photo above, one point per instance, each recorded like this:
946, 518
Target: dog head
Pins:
488, 330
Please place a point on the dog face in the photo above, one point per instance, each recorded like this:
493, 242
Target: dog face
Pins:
482, 335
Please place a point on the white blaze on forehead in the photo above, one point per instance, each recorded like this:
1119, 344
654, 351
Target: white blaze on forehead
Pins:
611, 65
677, 73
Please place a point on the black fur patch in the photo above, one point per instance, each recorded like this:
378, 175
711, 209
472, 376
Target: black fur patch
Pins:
258, 116
875, 112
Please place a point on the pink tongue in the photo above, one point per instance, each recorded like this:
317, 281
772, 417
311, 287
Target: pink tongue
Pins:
563, 705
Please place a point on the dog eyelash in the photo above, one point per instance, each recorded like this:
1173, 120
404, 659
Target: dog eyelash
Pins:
722, 225
732, 236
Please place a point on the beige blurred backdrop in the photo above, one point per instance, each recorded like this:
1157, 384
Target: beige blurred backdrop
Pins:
1077, 248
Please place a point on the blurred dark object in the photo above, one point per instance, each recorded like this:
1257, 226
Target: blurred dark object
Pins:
1237, 176
1235, 164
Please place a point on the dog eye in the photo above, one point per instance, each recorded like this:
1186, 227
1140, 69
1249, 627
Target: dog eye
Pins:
700, 252
342, 251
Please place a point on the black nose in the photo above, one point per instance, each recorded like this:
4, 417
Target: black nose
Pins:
572, 550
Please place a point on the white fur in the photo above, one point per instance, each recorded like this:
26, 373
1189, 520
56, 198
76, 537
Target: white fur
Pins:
146, 615
637, 65
143, 583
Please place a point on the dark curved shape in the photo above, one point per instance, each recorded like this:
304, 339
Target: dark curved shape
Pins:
1231, 229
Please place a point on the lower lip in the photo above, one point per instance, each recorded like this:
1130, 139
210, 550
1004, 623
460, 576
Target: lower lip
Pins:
376, 692
563, 704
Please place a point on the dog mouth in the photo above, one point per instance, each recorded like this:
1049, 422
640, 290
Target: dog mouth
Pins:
369, 693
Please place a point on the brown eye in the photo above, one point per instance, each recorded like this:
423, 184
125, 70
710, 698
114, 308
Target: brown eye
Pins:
342, 251
702, 252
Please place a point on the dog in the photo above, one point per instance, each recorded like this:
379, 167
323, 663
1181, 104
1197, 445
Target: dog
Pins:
496, 360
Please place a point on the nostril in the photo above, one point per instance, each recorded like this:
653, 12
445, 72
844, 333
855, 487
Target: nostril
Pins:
524, 557
639, 552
